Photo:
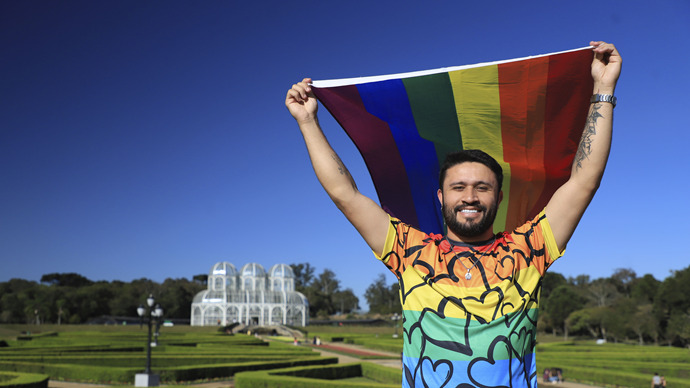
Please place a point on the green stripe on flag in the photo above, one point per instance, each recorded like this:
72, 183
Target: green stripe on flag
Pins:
431, 101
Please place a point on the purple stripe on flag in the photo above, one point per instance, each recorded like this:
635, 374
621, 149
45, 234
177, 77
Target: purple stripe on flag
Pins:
373, 138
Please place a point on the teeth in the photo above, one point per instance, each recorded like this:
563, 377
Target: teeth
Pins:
469, 211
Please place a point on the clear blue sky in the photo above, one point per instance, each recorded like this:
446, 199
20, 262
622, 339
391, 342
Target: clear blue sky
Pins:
150, 138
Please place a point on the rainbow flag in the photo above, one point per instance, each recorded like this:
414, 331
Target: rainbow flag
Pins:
527, 113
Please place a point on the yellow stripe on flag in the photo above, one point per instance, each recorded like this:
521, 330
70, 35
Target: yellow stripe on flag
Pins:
478, 105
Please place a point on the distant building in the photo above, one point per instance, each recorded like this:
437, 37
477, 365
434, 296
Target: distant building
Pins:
250, 296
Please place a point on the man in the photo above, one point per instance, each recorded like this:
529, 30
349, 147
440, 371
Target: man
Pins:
470, 298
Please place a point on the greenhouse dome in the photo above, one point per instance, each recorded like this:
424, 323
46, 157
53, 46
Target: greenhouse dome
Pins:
250, 296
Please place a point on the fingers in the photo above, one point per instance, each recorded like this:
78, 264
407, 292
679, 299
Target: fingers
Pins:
603, 48
301, 102
606, 66
605, 53
301, 91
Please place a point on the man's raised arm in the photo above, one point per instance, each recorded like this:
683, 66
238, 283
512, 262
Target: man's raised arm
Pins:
364, 214
568, 204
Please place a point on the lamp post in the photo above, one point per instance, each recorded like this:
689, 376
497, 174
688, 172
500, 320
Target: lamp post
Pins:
395, 318
155, 315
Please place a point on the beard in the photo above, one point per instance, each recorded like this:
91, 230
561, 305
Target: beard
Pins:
469, 228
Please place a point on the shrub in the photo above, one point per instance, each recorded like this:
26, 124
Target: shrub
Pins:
23, 380
325, 376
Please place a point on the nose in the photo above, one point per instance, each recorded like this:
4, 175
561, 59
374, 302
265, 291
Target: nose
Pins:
469, 196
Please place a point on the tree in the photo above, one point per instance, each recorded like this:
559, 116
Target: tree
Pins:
327, 282
176, 296
678, 330
60, 304
346, 301
672, 294
560, 304
643, 324
671, 302
623, 279
383, 298
65, 279
602, 293
615, 320
12, 308
551, 281
322, 290
644, 289
586, 319
579, 281
201, 279
304, 275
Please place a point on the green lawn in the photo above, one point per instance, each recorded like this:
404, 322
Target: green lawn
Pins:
113, 354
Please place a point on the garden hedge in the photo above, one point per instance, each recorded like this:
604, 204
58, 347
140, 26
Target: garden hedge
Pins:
23, 380
616, 364
116, 357
332, 376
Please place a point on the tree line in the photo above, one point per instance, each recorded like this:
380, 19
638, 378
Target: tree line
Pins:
619, 308
622, 307
72, 298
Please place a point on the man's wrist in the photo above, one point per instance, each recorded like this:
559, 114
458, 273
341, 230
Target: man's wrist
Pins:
603, 89
309, 121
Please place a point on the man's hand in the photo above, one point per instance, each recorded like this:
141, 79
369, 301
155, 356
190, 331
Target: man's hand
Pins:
301, 102
364, 214
606, 67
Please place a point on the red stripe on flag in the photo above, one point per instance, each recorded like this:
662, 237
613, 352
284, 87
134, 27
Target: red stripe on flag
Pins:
568, 91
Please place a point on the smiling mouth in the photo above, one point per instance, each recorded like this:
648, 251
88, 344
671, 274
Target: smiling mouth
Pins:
470, 213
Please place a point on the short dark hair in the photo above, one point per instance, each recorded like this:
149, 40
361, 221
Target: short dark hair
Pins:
477, 156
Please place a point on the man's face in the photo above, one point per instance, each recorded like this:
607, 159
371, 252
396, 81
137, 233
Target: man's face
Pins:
470, 200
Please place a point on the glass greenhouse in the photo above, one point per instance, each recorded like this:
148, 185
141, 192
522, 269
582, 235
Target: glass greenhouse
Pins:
250, 296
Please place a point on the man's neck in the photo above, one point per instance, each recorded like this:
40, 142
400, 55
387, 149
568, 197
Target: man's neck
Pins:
486, 236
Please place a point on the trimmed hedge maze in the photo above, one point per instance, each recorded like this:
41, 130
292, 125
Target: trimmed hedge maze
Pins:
616, 364
115, 357
329, 376
23, 380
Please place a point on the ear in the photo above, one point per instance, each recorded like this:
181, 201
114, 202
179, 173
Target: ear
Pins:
440, 196
500, 196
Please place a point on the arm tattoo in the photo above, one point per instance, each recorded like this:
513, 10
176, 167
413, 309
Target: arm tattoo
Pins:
585, 147
343, 170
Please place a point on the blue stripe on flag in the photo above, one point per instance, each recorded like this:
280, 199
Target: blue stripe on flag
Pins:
388, 101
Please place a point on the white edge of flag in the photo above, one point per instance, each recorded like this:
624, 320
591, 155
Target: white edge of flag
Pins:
377, 78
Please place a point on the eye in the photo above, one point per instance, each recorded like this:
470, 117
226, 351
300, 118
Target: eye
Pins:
482, 188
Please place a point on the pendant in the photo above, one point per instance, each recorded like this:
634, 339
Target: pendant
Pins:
468, 275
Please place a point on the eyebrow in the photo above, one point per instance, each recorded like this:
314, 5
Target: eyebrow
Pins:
476, 183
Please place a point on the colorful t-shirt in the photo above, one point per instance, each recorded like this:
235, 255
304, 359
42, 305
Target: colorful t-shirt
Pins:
470, 333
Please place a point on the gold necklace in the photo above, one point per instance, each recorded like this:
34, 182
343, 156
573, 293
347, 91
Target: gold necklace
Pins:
468, 275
